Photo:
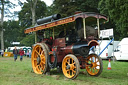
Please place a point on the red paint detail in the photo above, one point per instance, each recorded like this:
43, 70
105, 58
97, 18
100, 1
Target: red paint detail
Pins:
93, 43
106, 54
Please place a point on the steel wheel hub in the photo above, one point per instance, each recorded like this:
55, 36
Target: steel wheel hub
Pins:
68, 67
38, 60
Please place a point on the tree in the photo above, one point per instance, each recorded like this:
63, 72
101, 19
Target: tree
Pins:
87, 5
1, 24
11, 32
28, 40
5, 4
63, 7
32, 4
117, 10
25, 15
26, 20
69, 7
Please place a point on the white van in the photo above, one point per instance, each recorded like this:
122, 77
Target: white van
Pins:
121, 52
108, 51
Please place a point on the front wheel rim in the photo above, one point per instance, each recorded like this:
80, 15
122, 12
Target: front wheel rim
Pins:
70, 67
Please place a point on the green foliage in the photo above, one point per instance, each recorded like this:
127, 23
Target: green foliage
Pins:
117, 10
69, 7
7, 4
64, 7
87, 6
25, 19
11, 33
28, 40
103, 7
25, 15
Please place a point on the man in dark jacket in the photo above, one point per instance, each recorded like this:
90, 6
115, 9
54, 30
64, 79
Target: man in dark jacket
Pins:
21, 52
15, 53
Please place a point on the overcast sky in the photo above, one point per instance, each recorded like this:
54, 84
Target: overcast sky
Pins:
48, 3
18, 8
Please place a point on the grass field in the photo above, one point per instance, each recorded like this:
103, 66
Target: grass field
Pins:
19, 73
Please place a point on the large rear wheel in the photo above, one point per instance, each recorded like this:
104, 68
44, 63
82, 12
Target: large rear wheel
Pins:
39, 58
94, 65
70, 66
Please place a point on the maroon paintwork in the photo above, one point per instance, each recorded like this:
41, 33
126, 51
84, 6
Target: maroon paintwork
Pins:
62, 50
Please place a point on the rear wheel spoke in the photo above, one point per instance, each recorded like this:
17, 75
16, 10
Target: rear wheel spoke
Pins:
34, 59
37, 67
37, 52
42, 52
43, 62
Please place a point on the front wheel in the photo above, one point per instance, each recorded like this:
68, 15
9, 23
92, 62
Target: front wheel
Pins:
94, 65
70, 66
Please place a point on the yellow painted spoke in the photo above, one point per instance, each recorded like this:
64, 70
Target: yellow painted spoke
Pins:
91, 69
37, 67
42, 62
37, 52
72, 61
65, 66
42, 57
69, 60
42, 66
68, 70
74, 66
97, 61
95, 69
73, 71
34, 58
42, 52
92, 59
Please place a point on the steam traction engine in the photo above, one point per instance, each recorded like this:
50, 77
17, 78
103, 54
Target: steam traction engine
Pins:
70, 49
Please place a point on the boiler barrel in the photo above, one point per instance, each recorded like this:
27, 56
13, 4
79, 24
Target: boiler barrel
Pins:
48, 19
80, 49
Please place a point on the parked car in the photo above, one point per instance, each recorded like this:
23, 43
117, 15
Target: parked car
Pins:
121, 52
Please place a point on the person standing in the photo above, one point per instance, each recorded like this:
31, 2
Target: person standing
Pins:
27, 54
21, 52
30, 53
15, 53
6, 50
2, 52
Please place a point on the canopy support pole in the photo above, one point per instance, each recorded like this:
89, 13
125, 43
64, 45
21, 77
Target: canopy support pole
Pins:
53, 34
35, 37
84, 28
98, 25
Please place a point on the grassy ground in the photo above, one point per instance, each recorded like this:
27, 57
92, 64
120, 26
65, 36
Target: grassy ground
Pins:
19, 73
